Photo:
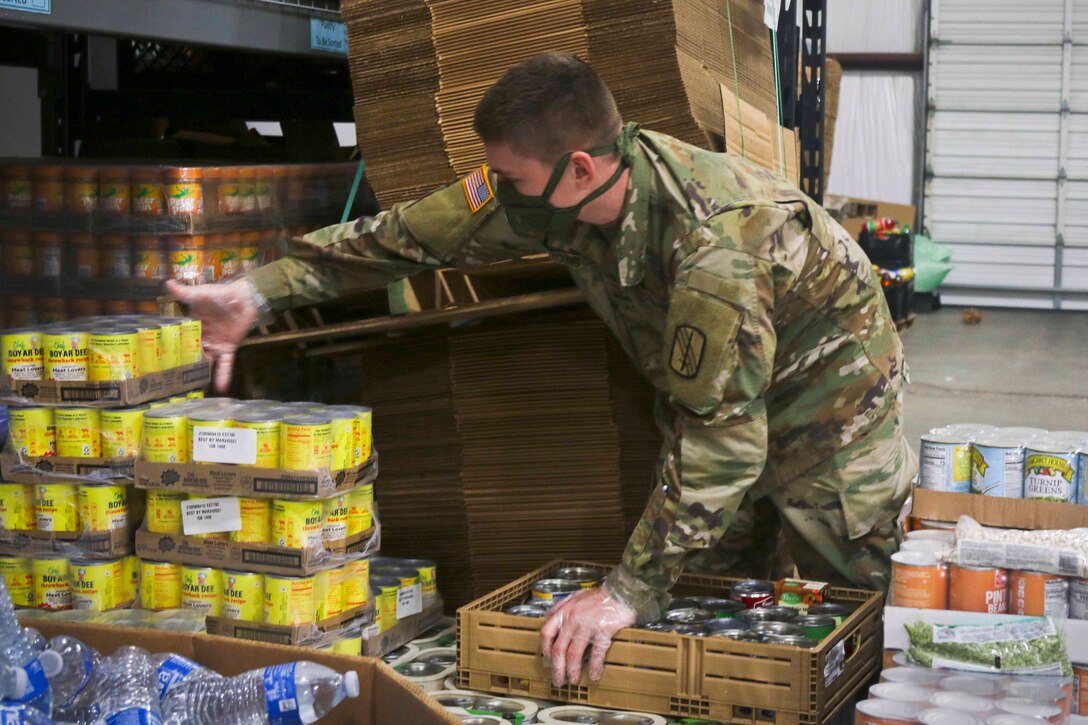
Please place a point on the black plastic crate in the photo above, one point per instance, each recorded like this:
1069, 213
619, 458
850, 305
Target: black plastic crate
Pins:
890, 251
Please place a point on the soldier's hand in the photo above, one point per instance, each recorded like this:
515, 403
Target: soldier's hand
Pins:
227, 313
585, 619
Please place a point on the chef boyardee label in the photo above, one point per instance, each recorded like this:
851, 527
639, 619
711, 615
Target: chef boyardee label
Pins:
279, 695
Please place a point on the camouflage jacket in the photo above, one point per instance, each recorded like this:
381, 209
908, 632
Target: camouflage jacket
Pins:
756, 317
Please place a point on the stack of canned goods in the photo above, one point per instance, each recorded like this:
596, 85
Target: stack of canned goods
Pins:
910, 694
545, 593
64, 507
1027, 463
921, 580
92, 349
40, 431
292, 436
307, 525
389, 577
58, 583
252, 597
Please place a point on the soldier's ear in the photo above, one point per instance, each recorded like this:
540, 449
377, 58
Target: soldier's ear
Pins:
583, 166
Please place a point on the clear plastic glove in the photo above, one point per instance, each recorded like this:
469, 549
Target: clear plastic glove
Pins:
227, 313
588, 618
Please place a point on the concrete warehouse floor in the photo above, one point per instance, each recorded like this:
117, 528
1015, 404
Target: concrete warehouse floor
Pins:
1016, 367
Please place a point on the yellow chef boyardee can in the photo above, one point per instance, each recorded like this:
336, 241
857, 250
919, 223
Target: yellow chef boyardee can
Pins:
67, 355
267, 427
348, 646
256, 521
121, 432
243, 595
297, 524
113, 354
92, 584
164, 511
32, 432
385, 590
335, 528
360, 503
306, 443
56, 506
103, 507
328, 594
342, 433
127, 587
171, 344
149, 346
288, 600
160, 585
165, 437
79, 432
201, 589
50, 586
192, 350
365, 427
19, 579
356, 577
17, 511
23, 355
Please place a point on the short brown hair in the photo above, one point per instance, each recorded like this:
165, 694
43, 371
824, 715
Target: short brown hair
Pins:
548, 105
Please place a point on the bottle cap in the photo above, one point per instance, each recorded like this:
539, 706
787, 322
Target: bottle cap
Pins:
351, 683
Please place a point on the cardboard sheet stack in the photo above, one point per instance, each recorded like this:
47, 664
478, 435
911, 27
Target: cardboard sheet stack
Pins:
506, 446
419, 67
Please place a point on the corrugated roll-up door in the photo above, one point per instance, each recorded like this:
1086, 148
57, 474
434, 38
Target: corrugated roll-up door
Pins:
1007, 150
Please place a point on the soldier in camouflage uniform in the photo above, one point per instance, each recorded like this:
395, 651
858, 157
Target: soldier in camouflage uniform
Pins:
756, 317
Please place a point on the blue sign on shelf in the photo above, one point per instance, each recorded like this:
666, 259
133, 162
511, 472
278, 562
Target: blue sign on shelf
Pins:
328, 35
28, 6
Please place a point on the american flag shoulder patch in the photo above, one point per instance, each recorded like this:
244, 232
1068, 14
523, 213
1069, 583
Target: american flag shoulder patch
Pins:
477, 189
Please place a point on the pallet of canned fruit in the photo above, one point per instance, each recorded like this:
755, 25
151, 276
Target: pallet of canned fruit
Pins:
55, 583
258, 448
76, 519
274, 536
725, 649
102, 361
49, 444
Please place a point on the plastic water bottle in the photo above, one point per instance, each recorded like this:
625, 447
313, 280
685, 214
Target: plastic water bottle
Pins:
73, 688
127, 688
13, 714
18, 649
301, 692
172, 669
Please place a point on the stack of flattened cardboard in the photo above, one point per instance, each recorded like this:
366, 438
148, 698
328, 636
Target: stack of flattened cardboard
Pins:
420, 66
541, 451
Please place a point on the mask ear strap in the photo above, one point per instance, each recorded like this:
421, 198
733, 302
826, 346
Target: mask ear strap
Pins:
557, 174
620, 168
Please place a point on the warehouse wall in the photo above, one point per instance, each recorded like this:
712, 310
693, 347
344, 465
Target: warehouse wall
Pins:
878, 134
20, 112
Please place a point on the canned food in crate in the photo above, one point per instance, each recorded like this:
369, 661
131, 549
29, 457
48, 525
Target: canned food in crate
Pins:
726, 625
588, 578
267, 430
113, 354
554, 590
753, 593
838, 612
418, 670
243, 595
1050, 472
657, 626
408, 576
978, 589
779, 628
815, 626
443, 656
385, 599
997, 465
690, 630
128, 586
201, 589
945, 462
790, 640
428, 574
768, 614
688, 616
360, 506
919, 581
738, 635
527, 610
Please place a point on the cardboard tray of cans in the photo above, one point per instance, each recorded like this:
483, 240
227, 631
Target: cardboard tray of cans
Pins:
58, 469
221, 479
263, 558
713, 678
376, 644
108, 393
312, 635
107, 544
1011, 513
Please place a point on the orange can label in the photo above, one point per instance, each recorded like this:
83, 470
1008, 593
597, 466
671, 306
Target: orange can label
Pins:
184, 199
1038, 595
978, 590
919, 582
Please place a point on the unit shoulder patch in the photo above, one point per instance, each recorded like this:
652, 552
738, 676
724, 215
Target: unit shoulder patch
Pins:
477, 188
688, 344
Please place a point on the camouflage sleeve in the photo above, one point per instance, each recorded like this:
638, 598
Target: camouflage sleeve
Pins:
719, 353
368, 253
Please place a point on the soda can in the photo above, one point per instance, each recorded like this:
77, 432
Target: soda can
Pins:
50, 587
17, 512
201, 589
243, 596
56, 507
103, 507
160, 585
288, 600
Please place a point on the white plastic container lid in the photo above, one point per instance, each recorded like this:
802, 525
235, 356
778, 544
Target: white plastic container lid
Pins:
940, 716
901, 691
920, 676
962, 701
971, 685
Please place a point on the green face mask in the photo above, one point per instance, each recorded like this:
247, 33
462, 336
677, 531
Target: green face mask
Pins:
535, 216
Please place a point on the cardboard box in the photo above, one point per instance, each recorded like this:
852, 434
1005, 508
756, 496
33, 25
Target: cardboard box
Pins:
385, 698
107, 394
264, 558
314, 635
1012, 513
376, 644
224, 479
709, 678
57, 469
110, 544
